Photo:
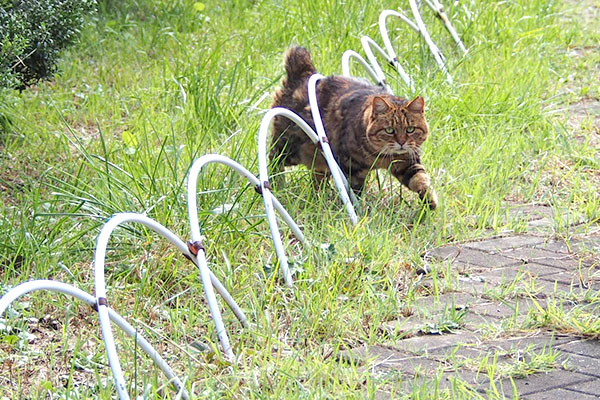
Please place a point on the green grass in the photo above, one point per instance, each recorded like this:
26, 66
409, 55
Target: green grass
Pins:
155, 84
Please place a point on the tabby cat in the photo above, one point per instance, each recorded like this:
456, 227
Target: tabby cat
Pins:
367, 128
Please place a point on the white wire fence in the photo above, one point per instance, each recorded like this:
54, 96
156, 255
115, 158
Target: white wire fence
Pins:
194, 249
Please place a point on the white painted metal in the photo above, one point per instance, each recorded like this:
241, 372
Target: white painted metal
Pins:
437, 54
437, 7
60, 287
374, 69
274, 203
99, 257
337, 175
349, 54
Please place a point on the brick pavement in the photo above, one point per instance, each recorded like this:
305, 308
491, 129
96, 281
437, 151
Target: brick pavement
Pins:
498, 347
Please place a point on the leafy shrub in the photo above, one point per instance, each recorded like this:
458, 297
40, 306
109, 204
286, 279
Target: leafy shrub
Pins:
32, 33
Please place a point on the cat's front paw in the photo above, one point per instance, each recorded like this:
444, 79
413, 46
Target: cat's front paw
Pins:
431, 198
420, 183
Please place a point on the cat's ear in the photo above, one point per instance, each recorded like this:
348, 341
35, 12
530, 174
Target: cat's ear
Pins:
417, 105
379, 105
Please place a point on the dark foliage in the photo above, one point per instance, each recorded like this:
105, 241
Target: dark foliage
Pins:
32, 34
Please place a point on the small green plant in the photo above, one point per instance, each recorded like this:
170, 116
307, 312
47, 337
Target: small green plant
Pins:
529, 361
450, 320
581, 319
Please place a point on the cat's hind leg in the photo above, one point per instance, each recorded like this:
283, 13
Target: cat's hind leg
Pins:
357, 182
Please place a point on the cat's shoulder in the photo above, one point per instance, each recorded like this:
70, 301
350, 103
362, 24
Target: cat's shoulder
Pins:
345, 84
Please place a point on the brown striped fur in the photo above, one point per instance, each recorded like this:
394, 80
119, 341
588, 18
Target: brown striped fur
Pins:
367, 128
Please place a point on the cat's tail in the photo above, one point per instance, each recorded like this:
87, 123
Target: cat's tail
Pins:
298, 65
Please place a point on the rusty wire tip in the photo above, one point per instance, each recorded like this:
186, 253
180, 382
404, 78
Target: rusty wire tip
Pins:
266, 185
101, 302
195, 247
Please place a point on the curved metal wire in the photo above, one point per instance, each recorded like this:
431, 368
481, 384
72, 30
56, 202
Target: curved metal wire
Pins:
346, 194
374, 69
31, 286
275, 234
102, 303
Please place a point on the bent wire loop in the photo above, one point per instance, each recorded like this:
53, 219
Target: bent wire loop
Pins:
374, 69
113, 316
102, 302
270, 203
317, 137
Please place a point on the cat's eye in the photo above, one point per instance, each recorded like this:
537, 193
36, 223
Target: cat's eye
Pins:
389, 130
410, 129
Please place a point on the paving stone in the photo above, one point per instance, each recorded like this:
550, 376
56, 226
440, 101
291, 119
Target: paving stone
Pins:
483, 259
501, 310
474, 285
584, 347
585, 365
382, 357
592, 308
591, 387
437, 304
423, 327
477, 322
526, 271
405, 327
444, 382
460, 351
570, 278
426, 343
559, 393
534, 270
546, 288
504, 243
528, 255
591, 244
488, 268
494, 310
507, 345
504, 348
557, 246
571, 282
530, 212
541, 225
468, 256
443, 253
544, 381
587, 244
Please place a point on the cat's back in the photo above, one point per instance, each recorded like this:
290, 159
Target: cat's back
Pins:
335, 90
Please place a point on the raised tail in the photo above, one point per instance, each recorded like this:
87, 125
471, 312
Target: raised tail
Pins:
298, 65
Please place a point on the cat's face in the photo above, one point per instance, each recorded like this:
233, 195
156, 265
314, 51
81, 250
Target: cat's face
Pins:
395, 129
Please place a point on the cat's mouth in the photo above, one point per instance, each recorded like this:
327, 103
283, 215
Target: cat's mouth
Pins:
398, 150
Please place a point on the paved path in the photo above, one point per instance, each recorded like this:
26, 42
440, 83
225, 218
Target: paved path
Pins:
489, 323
